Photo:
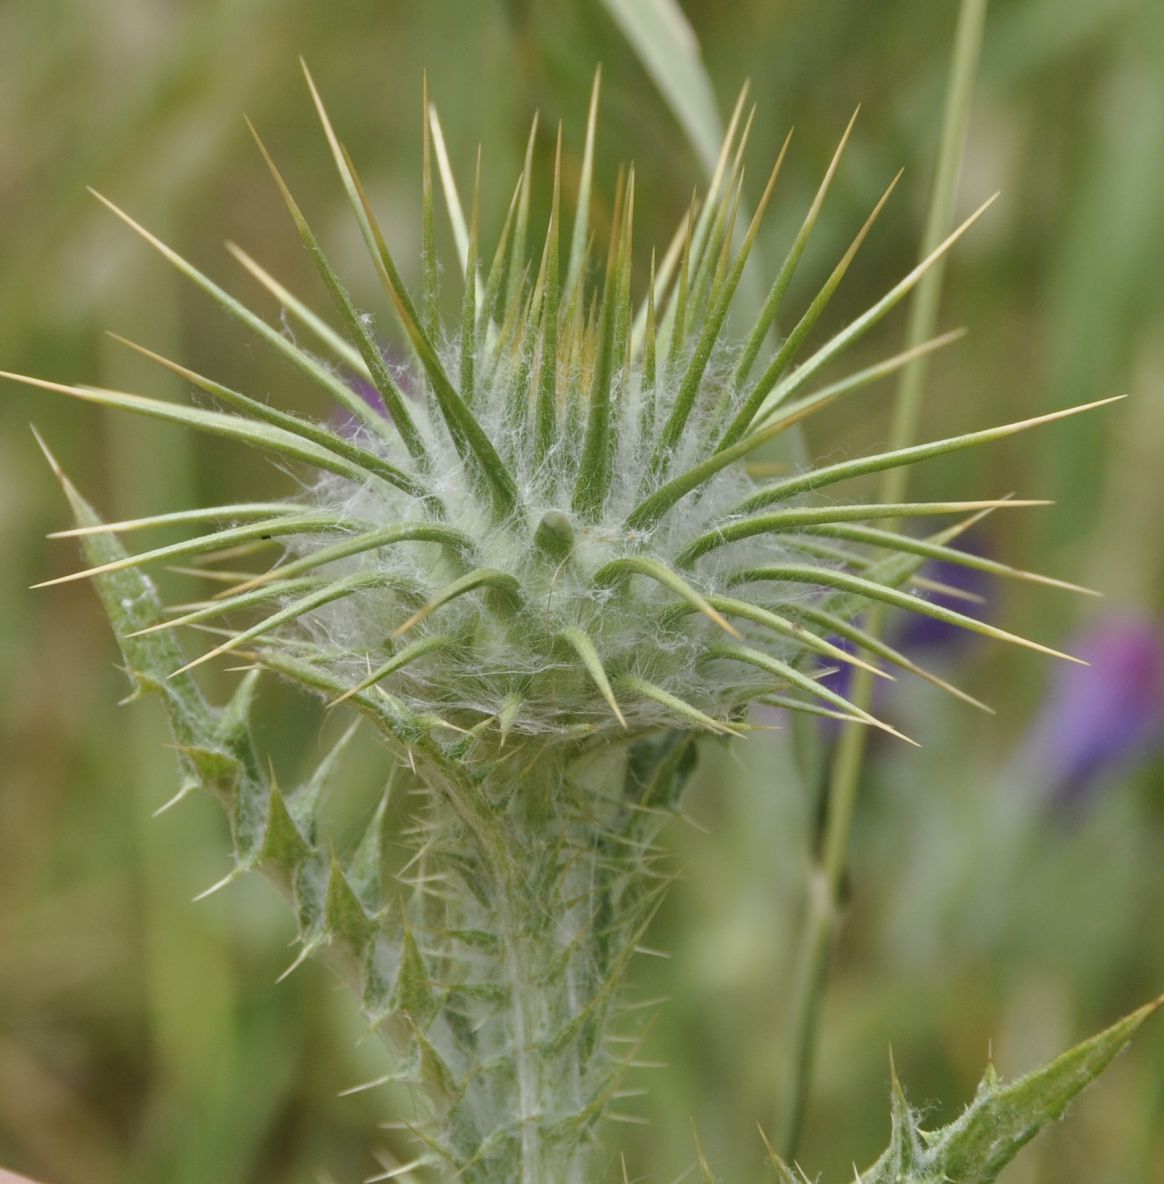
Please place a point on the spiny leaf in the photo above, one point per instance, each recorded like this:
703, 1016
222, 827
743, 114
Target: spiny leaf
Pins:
466, 432
975, 1148
178, 517
775, 298
595, 470
300, 358
581, 233
893, 541
862, 324
303, 523
469, 299
449, 188
483, 577
1000, 1120
810, 516
283, 846
840, 627
327, 594
872, 590
344, 914
788, 348
340, 346
457, 545
792, 676
647, 513
759, 615
712, 325
410, 653
545, 421
369, 348
681, 707
643, 565
235, 427
208, 610
327, 438
842, 470
585, 650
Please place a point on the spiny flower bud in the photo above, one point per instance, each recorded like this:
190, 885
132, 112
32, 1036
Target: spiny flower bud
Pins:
546, 534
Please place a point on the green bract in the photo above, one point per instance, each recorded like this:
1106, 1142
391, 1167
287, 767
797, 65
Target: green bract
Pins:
541, 560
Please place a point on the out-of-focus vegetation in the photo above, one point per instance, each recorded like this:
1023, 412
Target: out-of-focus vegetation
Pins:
998, 898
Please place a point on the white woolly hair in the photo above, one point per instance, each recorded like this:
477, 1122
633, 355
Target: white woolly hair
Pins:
497, 657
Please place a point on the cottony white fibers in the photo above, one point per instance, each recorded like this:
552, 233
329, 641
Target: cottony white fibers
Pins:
486, 654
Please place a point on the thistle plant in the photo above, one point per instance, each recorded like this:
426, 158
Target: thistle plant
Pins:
544, 557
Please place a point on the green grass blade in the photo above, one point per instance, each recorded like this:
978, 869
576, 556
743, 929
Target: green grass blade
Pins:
669, 51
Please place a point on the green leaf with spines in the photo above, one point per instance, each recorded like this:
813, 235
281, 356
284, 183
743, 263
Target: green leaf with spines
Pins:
1001, 1119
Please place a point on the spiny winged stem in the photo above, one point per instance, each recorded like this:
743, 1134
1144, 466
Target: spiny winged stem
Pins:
542, 565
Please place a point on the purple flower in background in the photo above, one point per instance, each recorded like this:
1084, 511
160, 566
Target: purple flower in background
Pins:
1101, 717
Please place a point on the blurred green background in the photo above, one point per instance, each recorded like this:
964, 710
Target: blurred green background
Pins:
142, 1038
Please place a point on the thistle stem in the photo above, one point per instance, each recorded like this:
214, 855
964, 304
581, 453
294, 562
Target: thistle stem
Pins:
823, 896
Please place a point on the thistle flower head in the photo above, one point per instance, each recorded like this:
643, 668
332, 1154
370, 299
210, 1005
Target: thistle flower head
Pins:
550, 528
554, 525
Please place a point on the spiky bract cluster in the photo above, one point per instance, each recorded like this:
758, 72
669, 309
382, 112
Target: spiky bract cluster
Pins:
554, 531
